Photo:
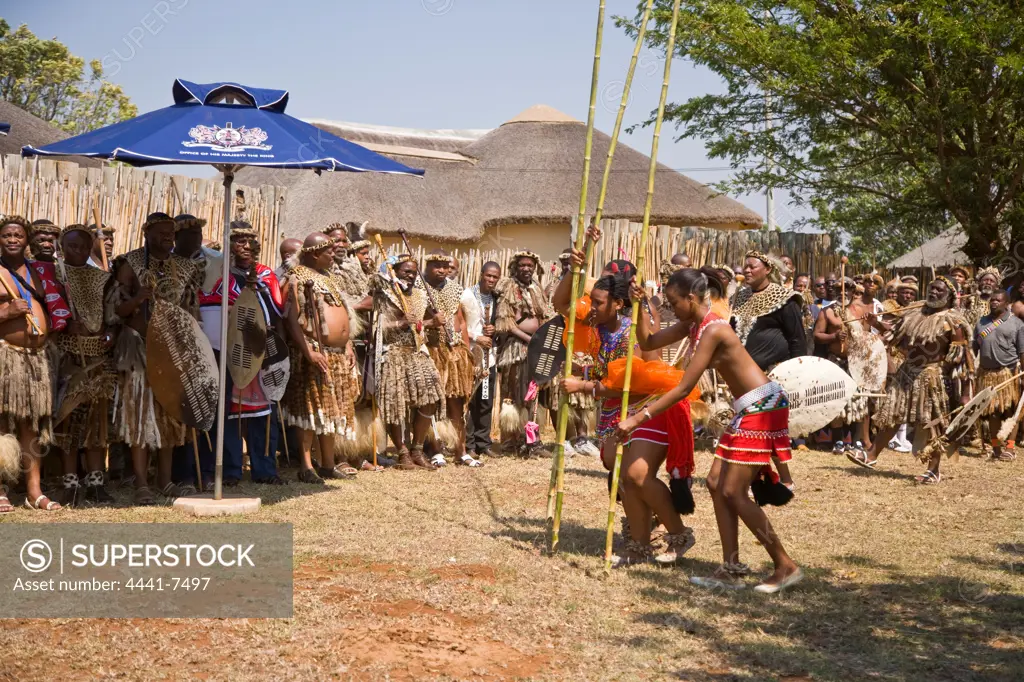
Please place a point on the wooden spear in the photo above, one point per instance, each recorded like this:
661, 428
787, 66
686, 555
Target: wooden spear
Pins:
556, 488
641, 255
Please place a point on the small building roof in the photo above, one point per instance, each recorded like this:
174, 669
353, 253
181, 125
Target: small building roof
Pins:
940, 251
28, 129
525, 171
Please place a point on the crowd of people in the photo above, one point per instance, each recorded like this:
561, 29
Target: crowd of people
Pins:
363, 349
357, 352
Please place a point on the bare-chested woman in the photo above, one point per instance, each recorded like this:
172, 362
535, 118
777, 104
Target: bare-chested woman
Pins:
759, 430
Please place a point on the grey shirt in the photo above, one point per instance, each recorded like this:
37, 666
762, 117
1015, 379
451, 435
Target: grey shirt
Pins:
1002, 346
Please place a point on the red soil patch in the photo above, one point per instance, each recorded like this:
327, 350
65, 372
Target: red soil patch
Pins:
414, 653
406, 608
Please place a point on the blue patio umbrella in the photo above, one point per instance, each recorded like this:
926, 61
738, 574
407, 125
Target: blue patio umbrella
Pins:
5, 128
226, 125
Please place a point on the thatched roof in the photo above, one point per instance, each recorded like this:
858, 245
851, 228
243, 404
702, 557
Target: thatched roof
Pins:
29, 129
939, 251
525, 171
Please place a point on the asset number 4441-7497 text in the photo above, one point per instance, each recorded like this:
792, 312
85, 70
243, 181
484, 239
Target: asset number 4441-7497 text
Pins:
171, 584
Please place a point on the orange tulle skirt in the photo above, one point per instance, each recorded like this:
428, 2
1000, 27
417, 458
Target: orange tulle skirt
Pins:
652, 377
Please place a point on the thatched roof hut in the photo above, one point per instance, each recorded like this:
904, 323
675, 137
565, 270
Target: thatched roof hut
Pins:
943, 250
501, 187
29, 129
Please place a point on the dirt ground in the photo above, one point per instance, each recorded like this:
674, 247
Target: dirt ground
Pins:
422, 576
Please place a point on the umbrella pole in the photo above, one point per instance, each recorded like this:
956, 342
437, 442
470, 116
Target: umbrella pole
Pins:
218, 471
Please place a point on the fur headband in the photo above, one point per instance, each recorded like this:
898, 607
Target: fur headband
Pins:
990, 270
17, 220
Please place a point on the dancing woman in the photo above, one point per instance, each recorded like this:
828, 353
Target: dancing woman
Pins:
643, 495
759, 430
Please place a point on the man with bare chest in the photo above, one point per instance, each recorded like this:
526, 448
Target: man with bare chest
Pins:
321, 393
522, 308
26, 396
937, 373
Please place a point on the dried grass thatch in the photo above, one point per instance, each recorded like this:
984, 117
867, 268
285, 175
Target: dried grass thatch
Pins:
525, 171
29, 129
936, 252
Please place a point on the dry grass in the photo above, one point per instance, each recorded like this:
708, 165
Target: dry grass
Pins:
443, 576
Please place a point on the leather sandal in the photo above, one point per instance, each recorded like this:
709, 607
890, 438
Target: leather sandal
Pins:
310, 476
143, 497
405, 461
416, 454
39, 505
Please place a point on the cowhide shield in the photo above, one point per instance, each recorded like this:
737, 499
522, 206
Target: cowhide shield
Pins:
867, 360
181, 367
246, 344
546, 353
276, 367
818, 391
961, 425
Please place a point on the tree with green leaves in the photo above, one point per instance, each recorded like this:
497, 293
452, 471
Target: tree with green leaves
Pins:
894, 120
45, 79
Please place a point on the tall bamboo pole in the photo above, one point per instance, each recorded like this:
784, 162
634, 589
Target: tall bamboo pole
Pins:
563, 415
563, 408
640, 264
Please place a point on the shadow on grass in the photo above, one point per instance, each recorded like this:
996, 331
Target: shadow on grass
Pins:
908, 628
855, 470
588, 473
863, 562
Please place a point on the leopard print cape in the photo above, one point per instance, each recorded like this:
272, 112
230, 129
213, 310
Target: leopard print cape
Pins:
175, 280
448, 299
85, 286
748, 306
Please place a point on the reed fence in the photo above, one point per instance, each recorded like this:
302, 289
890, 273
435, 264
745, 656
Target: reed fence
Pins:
811, 253
123, 196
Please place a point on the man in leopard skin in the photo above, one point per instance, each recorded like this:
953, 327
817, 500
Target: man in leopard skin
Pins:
142, 277
522, 308
321, 393
353, 268
88, 374
449, 349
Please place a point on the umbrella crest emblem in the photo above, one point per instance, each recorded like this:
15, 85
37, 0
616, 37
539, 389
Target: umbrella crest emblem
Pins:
227, 138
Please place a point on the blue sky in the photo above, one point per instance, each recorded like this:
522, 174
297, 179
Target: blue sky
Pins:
415, 63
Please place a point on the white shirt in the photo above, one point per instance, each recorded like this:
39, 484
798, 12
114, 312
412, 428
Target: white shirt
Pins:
473, 313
